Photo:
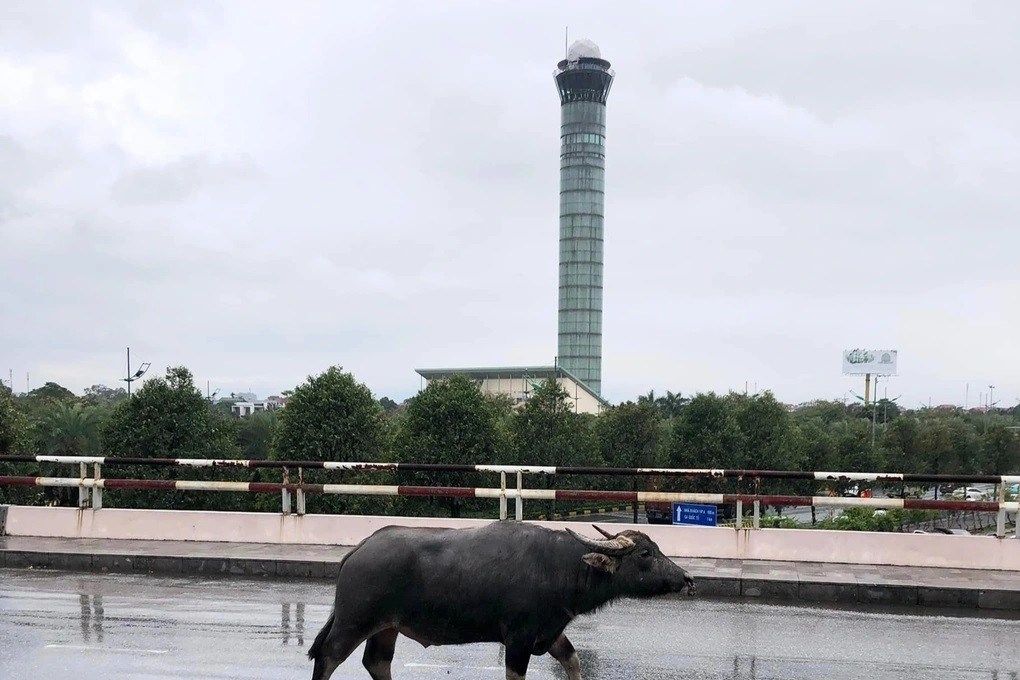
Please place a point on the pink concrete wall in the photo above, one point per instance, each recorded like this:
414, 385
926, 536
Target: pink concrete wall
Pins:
793, 545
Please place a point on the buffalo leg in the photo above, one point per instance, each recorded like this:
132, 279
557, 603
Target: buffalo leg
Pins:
379, 654
564, 652
337, 646
517, 657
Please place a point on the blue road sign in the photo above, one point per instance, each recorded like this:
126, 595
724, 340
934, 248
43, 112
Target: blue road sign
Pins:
700, 515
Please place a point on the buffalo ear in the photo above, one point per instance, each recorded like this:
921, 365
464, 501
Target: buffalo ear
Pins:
602, 562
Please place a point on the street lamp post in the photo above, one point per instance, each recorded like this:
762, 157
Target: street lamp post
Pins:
138, 374
865, 399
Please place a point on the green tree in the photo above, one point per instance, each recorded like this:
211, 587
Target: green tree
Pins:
901, 441
947, 445
101, 394
770, 438
51, 392
66, 429
817, 445
255, 434
706, 434
668, 405
886, 411
547, 431
169, 418
69, 430
770, 441
388, 405
631, 435
818, 451
450, 421
35, 403
15, 439
1000, 448
827, 412
966, 447
332, 417
854, 452
15, 430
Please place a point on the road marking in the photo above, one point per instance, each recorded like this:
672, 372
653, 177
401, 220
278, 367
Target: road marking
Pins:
446, 665
109, 649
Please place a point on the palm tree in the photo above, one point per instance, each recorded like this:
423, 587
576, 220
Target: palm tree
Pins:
69, 431
671, 404
66, 430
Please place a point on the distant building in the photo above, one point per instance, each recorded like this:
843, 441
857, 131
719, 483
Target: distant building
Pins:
246, 408
253, 404
519, 383
583, 81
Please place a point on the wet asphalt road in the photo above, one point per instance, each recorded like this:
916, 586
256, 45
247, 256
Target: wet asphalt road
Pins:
61, 625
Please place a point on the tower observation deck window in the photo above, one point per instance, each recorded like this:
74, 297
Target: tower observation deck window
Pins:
584, 138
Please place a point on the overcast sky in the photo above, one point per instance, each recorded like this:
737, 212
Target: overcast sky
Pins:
259, 190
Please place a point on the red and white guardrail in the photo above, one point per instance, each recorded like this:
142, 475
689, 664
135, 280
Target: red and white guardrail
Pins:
97, 484
524, 469
527, 494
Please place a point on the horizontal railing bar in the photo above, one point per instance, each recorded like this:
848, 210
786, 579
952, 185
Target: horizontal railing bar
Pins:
527, 494
525, 469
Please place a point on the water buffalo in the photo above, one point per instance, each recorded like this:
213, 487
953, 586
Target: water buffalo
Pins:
510, 582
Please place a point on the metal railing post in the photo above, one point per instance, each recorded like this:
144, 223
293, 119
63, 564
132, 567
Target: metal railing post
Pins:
83, 491
285, 494
502, 496
301, 492
1000, 520
757, 503
740, 515
97, 491
520, 496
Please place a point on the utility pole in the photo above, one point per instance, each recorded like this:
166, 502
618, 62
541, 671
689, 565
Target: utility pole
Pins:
874, 413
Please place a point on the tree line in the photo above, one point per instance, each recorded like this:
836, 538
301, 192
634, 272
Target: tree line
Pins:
334, 417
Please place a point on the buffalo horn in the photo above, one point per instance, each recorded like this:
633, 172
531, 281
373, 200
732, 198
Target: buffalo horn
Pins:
602, 531
621, 545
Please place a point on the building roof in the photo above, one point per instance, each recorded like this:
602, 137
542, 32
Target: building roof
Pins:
481, 373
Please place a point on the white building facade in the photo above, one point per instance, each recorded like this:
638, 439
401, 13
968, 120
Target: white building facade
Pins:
520, 382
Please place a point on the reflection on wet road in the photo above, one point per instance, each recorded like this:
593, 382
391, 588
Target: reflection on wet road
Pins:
121, 626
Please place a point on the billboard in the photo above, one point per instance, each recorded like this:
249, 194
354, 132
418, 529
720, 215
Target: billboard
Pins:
873, 361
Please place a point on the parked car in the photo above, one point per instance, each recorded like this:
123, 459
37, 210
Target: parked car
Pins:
969, 493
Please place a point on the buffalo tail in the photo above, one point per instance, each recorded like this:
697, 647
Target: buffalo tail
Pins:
313, 651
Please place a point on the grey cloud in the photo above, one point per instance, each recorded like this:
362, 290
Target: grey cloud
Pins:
177, 181
376, 187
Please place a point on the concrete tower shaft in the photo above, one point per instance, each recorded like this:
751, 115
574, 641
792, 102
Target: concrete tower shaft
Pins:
583, 81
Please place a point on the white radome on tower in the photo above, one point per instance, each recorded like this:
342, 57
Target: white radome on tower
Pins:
583, 48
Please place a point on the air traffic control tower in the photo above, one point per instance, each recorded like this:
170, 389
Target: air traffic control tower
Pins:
583, 80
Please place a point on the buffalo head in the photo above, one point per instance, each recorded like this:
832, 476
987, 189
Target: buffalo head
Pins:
636, 564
